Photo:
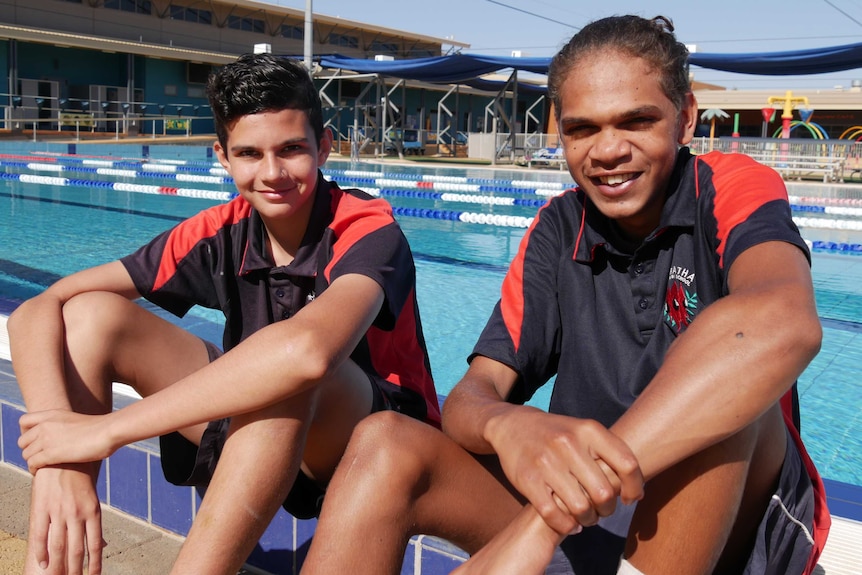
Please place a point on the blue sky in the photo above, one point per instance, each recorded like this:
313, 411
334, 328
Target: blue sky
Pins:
539, 27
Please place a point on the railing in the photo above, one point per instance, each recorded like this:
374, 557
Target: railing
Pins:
48, 117
827, 160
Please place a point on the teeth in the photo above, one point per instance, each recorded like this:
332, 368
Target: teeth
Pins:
615, 179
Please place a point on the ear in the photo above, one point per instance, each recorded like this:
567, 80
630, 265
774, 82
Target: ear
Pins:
221, 154
324, 147
687, 119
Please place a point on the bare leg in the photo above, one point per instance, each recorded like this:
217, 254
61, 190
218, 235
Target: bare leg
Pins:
259, 465
107, 338
706, 509
400, 477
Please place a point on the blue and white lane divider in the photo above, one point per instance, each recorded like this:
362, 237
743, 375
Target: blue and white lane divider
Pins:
131, 168
450, 215
114, 172
119, 186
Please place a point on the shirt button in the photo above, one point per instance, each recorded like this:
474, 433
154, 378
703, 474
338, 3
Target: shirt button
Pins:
639, 269
280, 293
285, 314
643, 304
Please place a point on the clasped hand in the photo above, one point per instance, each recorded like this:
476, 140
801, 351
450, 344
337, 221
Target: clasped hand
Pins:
59, 436
571, 470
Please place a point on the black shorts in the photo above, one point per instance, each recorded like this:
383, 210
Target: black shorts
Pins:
184, 463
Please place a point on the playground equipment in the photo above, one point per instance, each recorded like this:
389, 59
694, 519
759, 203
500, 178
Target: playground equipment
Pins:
787, 103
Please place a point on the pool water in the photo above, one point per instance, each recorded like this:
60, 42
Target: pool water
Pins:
47, 231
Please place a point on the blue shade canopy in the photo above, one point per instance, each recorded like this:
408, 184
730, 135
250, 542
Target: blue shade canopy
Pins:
463, 68
796, 62
458, 68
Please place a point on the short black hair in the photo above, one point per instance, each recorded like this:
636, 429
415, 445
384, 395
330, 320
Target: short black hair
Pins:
262, 82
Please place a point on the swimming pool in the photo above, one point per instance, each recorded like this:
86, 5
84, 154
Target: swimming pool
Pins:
48, 230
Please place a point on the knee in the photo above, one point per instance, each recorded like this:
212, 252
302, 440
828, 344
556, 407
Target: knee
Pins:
389, 445
95, 316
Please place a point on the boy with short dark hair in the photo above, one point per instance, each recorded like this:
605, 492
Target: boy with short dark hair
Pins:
317, 285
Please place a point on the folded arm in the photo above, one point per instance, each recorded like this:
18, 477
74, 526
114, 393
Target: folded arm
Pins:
571, 470
278, 361
65, 518
735, 361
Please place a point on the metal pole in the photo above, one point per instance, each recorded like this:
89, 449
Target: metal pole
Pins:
308, 36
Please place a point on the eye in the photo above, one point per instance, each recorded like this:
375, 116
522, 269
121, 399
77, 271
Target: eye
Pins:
578, 130
640, 123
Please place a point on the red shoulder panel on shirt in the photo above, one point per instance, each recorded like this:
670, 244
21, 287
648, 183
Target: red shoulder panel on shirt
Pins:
191, 231
741, 186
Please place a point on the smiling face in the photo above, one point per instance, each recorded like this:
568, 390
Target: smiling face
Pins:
621, 134
273, 157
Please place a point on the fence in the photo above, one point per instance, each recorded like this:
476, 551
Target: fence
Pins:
43, 116
827, 160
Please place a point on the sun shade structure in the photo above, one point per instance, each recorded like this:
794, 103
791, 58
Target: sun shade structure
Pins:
462, 68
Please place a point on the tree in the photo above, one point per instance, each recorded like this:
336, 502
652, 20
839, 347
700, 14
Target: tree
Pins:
711, 115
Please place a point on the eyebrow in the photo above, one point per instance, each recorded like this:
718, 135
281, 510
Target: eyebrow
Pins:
627, 115
289, 142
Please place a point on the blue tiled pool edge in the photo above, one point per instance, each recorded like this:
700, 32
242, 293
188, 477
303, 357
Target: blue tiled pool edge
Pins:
132, 483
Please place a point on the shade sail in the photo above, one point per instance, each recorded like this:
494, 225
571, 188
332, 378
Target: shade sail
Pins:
461, 68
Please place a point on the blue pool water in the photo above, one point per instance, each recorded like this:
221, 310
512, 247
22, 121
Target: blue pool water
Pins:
47, 231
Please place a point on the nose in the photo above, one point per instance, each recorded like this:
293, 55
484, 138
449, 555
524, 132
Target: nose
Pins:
273, 169
610, 147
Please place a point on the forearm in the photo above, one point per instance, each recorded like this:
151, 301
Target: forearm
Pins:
734, 362
272, 365
476, 405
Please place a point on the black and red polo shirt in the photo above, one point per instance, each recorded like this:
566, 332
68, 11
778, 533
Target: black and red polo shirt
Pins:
581, 304
218, 259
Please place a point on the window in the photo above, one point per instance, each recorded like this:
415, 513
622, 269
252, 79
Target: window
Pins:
295, 32
344, 40
384, 47
191, 14
197, 73
246, 24
133, 6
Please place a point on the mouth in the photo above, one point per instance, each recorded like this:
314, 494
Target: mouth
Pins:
614, 179
275, 193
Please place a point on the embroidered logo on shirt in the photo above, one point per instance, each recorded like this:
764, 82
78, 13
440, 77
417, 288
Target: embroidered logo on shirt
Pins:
680, 303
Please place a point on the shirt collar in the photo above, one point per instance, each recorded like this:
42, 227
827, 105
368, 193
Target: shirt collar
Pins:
678, 211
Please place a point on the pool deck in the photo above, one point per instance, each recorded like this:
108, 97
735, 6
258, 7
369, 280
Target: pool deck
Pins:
144, 539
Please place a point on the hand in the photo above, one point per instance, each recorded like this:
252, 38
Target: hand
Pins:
59, 436
65, 522
571, 470
525, 547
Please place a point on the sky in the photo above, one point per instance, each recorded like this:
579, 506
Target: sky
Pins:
540, 27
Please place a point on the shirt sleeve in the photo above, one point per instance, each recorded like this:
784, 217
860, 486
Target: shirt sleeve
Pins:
523, 331
750, 207
175, 270
373, 245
